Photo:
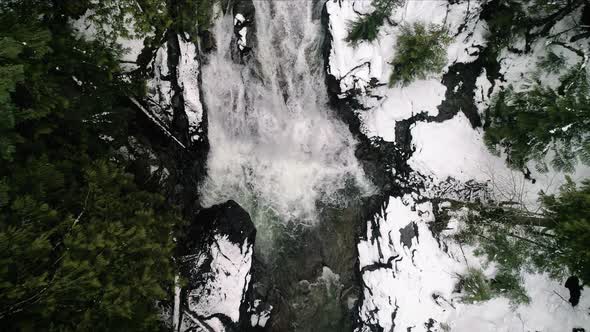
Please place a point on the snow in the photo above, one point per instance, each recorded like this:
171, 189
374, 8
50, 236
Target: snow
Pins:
344, 57
132, 46
356, 66
188, 73
419, 284
518, 69
374, 57
548, 311
482, 91
452, 149
405, 289
239, 19
399, 281
401, 103
242, 41
159, 88
176, 312
260, 317
230, 271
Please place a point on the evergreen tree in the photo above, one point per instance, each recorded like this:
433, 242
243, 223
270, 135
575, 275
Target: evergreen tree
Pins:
367, 26
83, 246
419, 52
532, 124
554, 241
570, 211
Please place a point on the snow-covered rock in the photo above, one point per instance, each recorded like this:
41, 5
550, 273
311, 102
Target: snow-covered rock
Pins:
408, 273
188, 72
409, 281
174, 92
244, 26
216, 265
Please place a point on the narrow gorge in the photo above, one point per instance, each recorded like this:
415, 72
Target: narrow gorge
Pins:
295, 165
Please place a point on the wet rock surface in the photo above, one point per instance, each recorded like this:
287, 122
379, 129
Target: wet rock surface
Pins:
243, 12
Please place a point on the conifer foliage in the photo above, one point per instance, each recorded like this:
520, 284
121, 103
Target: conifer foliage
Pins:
82, 245
570, 211
529, 125
554, 241
367, 27
419, 52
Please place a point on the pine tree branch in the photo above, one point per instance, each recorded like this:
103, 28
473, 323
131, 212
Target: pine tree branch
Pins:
530, 241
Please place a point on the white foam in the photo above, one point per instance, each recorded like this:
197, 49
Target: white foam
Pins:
274, 142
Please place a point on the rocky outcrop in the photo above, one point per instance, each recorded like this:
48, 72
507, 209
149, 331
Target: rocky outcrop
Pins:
243, 12
215, 260
405, 264
573, 285
174, 97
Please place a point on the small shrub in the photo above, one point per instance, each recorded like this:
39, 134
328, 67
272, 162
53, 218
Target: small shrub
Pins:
476, 287
509, 285
506, 283
420, 51
367, 27
552, 62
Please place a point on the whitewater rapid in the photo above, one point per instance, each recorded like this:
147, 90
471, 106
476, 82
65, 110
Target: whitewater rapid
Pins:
276, 146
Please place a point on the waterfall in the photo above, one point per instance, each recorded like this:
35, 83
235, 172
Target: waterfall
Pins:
276, 146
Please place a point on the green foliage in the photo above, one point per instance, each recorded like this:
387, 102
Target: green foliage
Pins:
529, 125
571, 213
505, 24
18, 45
511, 238
420, 51
205, 11
367, 26
83, 245
127, 18
508, 284
99, 269
492, 232
191, 16
476, 286
552, 62
555, 242
544, 8
512, 20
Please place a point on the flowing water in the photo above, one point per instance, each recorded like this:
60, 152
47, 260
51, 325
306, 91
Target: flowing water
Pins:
276, 147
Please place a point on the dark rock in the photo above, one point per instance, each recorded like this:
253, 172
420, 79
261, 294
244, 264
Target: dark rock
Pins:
208, 43
228, 219
573, 284
247, 10
408, 233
